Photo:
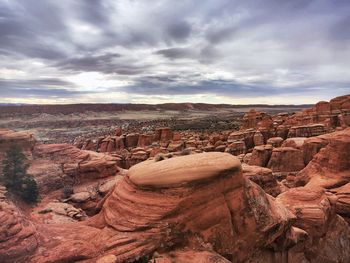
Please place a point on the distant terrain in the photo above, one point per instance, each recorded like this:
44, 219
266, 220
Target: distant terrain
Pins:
63, 123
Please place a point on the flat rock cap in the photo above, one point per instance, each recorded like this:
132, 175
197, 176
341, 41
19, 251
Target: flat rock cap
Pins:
183, 169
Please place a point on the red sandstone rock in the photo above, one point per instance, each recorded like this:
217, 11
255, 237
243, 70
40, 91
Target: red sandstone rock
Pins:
131, 140
236, 148
296, 142
331, 166
145, 140
258, 138
286, 159
342, 202
307, 130
18, 237
312, 208
275, 141
252, 118
185, 256
136, 220
312, 146
328, 234
163, 134
263, 177
55, 163
261, 155
176, 146
118, 131
25, 140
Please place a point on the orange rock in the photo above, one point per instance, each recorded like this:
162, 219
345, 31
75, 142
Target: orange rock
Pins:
163, 134
25, 140
258, 138
331, 166
135, 219
53, 163
263, 177
145, 140
275, 141
236, 148
261, 155
286, 159
131, 140
18, 236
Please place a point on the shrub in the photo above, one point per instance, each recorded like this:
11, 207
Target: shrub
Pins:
67, 191
186, 152
15, 177
159, 157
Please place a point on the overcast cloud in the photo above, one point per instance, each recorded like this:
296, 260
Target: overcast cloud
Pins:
219, 51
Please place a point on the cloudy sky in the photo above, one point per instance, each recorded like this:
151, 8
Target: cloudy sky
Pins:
142, 51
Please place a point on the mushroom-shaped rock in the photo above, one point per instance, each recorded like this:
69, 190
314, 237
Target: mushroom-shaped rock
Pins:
183, 169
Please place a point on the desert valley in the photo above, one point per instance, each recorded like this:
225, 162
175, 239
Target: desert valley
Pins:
264, 187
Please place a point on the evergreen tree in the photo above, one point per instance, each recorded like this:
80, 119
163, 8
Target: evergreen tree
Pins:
15, 176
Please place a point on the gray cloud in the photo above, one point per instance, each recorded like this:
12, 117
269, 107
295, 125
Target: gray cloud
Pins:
102, 63
167, 86
176, 53
220, 47
37, 88
179, 31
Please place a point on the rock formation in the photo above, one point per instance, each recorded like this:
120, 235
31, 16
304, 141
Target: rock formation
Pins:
186, 197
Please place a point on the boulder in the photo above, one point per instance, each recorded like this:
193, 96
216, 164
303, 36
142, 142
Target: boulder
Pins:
261, 155
342, 204
236, 148
311, 207
176, 146
263, 177
296, 142
58, 213
312, 146
275, 141
25, 140
286, 159
258, 138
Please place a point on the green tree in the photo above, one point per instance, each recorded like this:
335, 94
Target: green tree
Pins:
15, 176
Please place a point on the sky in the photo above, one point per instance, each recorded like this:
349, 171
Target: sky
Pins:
159, 51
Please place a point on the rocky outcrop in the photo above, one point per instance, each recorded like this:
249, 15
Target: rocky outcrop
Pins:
263, 177
261, 155
327, 235
330, 167
160, 210
252, 118
55, 165
18, 236
286, 159
136, 219
25, 140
